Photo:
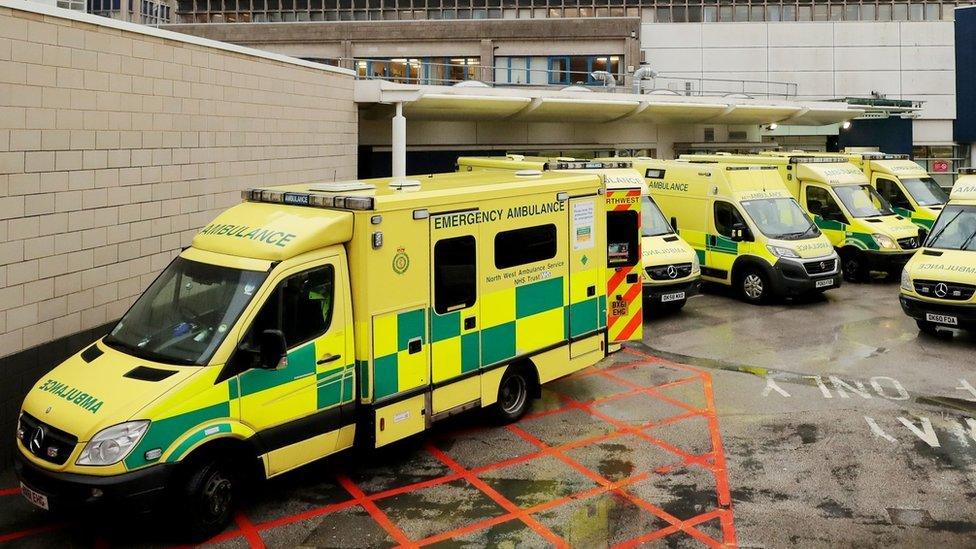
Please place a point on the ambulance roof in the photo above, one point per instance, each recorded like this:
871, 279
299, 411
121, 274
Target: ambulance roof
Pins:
276, 223
900, 167
731, 180
827, 168
420, 191
519, 162
964, 190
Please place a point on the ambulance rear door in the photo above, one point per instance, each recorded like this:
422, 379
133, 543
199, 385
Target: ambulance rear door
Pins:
624, 301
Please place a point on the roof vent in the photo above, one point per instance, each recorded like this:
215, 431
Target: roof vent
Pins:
576, 88
528, 173
404, 184
471, 84
515, 157
342, 186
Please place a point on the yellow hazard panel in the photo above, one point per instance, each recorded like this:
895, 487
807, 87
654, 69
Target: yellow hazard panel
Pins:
624, 302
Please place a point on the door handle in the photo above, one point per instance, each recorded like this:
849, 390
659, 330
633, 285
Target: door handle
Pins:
415, 345
590, 291
328, 358
470, 322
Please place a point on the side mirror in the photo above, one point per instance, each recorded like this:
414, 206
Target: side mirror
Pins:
674, 223
738, 232
273, 350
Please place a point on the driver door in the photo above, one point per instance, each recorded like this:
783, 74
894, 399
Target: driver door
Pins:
296, 409
828, 216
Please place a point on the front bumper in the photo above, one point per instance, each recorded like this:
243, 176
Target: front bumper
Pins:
654, 292
917, 309
791, 278
888, 262
137, 490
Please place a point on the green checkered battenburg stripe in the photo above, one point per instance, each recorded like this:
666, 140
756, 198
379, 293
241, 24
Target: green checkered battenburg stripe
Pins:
493, 344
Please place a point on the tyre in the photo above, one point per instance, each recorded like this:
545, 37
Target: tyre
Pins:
932, 329
206, 498
754, 285
513, 395
854, 267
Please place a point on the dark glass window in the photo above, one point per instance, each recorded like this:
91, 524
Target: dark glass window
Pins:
726, 216
301, 307
623, 233
819, 202
889, 189
528, 245
455, 274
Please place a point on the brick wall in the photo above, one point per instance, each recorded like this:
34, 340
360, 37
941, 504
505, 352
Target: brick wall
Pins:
117, 142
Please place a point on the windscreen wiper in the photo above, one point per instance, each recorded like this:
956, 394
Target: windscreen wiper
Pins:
935, 236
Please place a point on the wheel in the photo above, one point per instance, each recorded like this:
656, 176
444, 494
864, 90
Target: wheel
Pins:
854, 267
754, 285
206, 499
513, 396
932, 329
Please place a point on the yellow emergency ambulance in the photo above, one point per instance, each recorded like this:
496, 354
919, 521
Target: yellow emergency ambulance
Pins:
906, 185
867, 234
938, 285
672, 271
746, 228
318, 316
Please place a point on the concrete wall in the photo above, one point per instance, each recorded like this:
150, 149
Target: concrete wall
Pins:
116, 143
905, 60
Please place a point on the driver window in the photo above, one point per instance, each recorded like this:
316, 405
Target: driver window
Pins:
726, 216
819, 202
301, 307
893, 194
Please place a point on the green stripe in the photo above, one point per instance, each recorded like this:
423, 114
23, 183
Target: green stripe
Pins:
583, 317
829, 224
409, 326
470, 352
363, 367
301, 361
863, 241
386, 382
193, 439
163, 432
444, 326
498, 343
538, 297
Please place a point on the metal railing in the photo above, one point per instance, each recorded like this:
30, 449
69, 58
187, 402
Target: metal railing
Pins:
420, 71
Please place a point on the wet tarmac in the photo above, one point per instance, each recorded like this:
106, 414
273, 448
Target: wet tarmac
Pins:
828, 423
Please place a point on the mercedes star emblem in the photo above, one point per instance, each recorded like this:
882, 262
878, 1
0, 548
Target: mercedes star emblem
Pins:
37, 440
672, 271
941, 289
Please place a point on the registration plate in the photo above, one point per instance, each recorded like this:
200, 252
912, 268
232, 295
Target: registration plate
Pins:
618, 308
676, 296
942, 319
36, 498
825, 283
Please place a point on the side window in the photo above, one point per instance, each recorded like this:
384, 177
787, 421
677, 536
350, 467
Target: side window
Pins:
622, 238
527, 245
892, 193
819, 202
301, 307
455, 274
726, 216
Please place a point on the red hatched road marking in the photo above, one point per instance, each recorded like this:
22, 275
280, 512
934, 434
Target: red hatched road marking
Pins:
374, 511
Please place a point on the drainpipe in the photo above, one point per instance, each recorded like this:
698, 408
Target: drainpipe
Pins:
399, 142
603, 76
639, 75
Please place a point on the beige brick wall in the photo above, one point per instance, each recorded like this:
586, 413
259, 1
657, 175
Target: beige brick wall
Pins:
115, 146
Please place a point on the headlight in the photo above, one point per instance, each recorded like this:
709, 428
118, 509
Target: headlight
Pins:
695, 265
906, 281
884, 242
112, 444
781, 252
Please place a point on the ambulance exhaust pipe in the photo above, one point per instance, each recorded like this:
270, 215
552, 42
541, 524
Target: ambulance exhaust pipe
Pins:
639, 75
609, 81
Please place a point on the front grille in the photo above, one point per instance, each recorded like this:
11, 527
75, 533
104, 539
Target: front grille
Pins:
910, 243
820, 267
669, 272
944, 290
46, 442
